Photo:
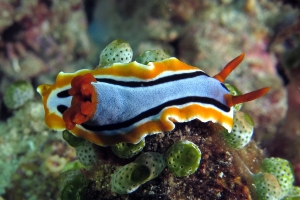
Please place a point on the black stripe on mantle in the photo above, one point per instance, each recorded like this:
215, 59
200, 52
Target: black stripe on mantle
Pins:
165, 79
155, 111
158, 81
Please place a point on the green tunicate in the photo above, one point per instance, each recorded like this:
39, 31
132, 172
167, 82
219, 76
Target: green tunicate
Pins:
72, 165
152, 56
127, 150
292, 198
266, 187
294, 194
295, 191
140, 174
146, 167
248, 119
71, 139
71, 184
282, 170
235, 92
84, 149
66, 177
183, 158
86, 154
17, 94
242, 130
119, 51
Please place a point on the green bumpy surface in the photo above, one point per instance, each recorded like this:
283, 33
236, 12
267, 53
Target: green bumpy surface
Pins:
73, 165
71, 139
118, 51
146, 167
294, 194
84, 149
266, 187
152, 56
17, 94
127, 150
242, 130
234, 91
72, 183
283, 172
183, 158
86, 154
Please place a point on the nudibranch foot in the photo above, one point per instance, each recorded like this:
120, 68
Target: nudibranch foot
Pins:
83, 104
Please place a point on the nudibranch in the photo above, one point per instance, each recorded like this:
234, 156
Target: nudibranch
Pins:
126, 102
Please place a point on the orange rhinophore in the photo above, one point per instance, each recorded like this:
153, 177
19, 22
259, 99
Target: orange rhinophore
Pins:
233, 100
229, 68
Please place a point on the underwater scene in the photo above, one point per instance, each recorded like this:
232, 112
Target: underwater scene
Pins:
160, 99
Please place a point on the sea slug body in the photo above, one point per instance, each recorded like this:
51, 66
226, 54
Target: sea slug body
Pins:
125, 102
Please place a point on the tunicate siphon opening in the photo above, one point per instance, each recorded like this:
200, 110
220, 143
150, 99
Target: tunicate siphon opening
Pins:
140, 174
190, 155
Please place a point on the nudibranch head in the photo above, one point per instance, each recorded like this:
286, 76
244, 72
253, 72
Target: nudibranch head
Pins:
57, 100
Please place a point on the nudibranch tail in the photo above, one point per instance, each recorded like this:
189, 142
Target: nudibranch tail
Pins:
229, 68
83, 103
233, 100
